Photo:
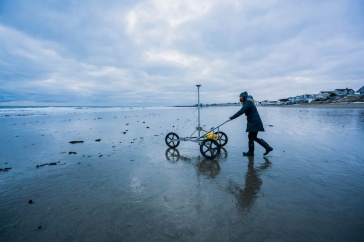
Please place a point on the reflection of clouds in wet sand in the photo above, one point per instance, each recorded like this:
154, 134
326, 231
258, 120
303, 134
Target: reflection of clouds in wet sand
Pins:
246, 196
210, 168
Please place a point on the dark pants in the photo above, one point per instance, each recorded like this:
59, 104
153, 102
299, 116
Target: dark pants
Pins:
252, 136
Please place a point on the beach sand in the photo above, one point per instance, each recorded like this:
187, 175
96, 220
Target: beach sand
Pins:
123, 183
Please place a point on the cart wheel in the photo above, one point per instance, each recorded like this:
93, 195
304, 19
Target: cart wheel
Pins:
172, 140
222, 138
210, 148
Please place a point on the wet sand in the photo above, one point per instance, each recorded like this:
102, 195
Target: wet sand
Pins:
122, 183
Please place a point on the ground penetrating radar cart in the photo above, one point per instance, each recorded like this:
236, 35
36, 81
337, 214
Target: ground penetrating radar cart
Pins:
210, 141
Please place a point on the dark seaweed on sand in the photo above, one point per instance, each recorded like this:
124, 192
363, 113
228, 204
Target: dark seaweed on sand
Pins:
48, 164
76, 141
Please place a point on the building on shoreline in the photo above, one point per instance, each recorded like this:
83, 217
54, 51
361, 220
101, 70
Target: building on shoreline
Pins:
324, 94
361, 91
328, 96
346, 95
344, 92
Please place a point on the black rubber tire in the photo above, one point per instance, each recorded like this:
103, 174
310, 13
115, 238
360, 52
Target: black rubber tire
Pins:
171, 140
223, 139
210, 149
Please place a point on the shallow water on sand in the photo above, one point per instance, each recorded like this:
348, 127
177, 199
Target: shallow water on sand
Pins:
130, 187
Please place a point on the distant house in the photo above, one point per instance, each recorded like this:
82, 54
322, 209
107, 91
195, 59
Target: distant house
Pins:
272, 103
264, 102
283, 101
292, 100
314, 97
267, 102
296, 99
323, 94
361, 91
307, 98
344, 92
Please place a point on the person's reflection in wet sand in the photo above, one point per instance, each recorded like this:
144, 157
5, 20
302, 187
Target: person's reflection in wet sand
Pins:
246, 196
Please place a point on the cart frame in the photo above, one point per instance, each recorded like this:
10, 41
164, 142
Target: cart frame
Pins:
209, 147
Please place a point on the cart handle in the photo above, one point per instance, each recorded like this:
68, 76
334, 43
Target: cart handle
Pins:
212, 129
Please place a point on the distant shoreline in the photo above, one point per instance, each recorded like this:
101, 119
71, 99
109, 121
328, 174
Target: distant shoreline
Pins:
301, 105
320, 105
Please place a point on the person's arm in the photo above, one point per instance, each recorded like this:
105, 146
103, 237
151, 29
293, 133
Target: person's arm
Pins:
243, 109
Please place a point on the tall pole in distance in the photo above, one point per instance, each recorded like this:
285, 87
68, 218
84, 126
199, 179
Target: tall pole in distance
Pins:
198, 107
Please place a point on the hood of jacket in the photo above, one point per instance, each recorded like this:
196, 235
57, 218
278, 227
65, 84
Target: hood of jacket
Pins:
250, 99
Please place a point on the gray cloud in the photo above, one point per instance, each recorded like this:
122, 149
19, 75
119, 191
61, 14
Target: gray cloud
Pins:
154, 52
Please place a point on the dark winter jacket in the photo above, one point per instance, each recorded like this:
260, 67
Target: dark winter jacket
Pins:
254, 123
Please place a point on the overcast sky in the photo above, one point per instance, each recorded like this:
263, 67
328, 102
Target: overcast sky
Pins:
154, 52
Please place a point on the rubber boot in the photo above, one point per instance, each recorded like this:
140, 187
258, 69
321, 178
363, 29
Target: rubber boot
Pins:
265, 145
251, 150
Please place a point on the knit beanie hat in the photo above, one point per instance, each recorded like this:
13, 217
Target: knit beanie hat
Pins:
244, 94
